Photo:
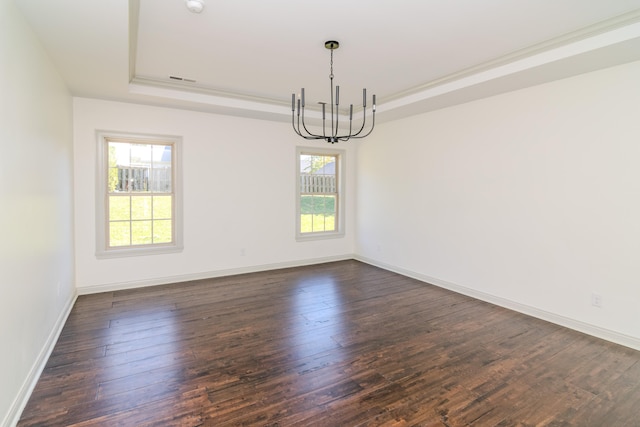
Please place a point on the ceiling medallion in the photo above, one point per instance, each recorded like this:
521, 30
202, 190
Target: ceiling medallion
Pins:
332, 136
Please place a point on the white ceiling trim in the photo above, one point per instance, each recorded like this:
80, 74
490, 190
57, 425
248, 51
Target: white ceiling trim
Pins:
458, 87
599, 41
587, 35
204, 96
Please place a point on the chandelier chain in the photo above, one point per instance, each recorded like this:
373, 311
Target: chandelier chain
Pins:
331, 75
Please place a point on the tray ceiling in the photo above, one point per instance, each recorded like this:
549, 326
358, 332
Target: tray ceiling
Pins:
247, 57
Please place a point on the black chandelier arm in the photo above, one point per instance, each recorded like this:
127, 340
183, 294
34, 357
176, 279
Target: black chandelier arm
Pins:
309, 135
364, 116
357, 134
364, 112
293, 115
298, 131
346, 138
293, 124
373, 124
364, 122
304, 126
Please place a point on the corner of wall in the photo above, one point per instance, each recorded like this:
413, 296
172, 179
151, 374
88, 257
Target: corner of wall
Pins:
19, 403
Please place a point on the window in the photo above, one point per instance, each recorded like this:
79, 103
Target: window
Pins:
319, 212
138, 195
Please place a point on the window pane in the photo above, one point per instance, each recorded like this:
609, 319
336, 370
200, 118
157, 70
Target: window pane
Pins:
306, 204
318, 223
119, 208
305, 163
141, 233
318, 204
306, 223
328, 205
119, 154
161, 172
162, 231
140, 154
162, 207
112, 179
330, 223
140, 207
119, 234
319, 214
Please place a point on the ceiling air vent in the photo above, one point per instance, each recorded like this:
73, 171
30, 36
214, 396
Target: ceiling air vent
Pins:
182, 79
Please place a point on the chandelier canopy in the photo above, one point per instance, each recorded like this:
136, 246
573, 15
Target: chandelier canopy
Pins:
332, 136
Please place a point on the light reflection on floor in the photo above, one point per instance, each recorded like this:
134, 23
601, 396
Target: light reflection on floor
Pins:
129, 362
319, 317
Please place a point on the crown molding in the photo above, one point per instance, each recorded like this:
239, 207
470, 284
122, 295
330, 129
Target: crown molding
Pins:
591, 33
614, 31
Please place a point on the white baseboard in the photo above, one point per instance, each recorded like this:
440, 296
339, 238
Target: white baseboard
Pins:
593, 330
19, 403
110, 287
589, 329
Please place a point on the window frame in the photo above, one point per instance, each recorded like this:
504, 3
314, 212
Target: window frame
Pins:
102, 194
340, 185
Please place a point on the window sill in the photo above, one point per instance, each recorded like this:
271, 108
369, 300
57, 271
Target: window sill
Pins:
137, 251
318, 236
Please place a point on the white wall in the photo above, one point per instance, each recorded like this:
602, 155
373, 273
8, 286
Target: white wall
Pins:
36, 243
530, 199
239, 193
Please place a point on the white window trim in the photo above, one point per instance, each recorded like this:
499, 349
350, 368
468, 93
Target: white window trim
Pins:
101, 196
340, 203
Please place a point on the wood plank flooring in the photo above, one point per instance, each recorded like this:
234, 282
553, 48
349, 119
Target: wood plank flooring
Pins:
337, 344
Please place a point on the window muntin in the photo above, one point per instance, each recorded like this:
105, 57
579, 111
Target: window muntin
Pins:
139, 212
318, 193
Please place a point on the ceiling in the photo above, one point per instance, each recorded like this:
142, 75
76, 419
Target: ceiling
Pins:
246, 57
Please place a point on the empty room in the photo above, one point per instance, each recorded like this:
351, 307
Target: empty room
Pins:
338, 213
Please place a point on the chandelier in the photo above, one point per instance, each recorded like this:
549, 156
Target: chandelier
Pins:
333, 135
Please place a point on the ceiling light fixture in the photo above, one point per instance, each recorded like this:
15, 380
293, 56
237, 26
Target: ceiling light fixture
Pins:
333, 135
195, 6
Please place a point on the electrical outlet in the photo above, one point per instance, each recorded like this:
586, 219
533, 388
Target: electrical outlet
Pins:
596, 300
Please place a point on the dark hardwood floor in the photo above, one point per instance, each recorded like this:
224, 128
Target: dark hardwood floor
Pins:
338, 344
